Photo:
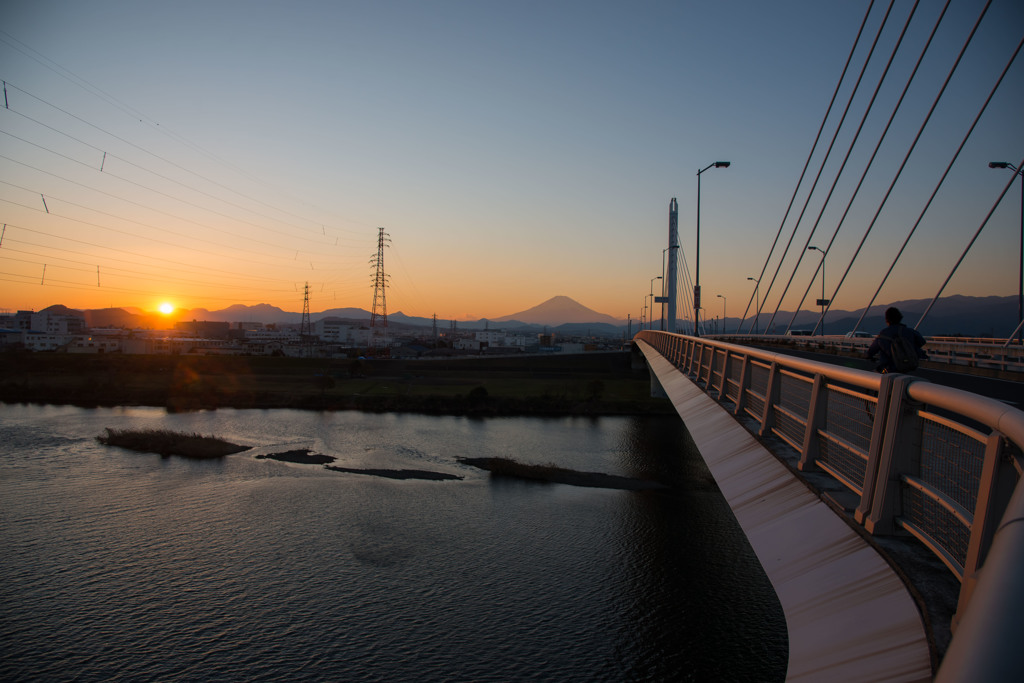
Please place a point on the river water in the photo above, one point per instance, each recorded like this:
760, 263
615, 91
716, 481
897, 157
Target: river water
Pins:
117, 565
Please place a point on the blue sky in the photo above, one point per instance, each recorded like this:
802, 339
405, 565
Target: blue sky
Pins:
513, 151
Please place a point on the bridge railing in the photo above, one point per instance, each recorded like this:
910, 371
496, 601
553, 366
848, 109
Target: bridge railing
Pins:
985, 353
923, 459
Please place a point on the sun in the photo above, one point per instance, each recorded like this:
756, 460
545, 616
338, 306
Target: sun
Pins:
166, 308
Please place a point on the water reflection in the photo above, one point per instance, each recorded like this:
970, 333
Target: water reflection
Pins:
122, 565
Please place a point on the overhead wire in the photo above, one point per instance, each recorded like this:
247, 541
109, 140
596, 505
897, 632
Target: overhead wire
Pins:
92, 89
91, 167
43, 195
160, 157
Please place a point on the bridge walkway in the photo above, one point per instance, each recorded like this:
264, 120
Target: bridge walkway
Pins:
849, 615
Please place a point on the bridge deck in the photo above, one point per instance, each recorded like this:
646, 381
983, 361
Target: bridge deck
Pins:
849, 616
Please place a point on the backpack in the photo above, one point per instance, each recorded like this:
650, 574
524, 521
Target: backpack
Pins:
903, 352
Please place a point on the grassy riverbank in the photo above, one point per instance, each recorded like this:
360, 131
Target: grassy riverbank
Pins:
585, 384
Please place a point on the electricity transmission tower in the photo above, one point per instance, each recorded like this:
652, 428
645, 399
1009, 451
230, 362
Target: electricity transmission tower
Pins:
379, 313
306, 331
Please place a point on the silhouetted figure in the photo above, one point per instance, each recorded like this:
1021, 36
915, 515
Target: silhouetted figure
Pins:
898, 347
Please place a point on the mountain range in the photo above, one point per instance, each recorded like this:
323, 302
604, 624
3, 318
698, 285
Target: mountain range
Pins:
992, 316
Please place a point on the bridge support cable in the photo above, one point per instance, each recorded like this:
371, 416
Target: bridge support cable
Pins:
906, 158
821, 169
846, 158
871, 161
810, 155
685, 284
949, 167
977, 232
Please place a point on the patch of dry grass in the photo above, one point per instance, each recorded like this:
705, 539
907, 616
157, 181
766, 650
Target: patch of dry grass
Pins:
166, 442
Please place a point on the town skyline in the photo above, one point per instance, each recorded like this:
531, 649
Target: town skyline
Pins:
954, 314
267, 154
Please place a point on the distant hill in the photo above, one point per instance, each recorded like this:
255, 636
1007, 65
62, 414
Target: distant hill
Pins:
557, 311
989, 316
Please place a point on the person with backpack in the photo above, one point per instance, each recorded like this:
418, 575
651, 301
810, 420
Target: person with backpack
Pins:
898, 347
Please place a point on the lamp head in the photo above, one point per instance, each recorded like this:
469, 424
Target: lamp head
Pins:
998, 164
722, 164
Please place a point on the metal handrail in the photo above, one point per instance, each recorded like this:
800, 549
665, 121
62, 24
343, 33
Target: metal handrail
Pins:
990, 612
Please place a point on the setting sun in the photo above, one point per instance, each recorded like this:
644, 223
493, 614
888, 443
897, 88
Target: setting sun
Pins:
166, 308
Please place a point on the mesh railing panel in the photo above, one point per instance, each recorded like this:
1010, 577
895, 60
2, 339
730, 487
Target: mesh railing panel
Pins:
790, 428
732, 390
795, 394
758, 379
754, 406
937, 522
951, 462
850, 418
842, 460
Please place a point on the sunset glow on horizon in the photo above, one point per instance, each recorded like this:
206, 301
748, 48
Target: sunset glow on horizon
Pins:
264, 157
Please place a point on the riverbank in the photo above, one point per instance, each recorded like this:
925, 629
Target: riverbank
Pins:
553, 385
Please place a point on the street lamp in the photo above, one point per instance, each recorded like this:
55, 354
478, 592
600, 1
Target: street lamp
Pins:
757, 304
650, 318
823, 302
724, 302
696, 280
1020, 268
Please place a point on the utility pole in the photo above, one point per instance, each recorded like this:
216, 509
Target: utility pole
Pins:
379, 313
305, 330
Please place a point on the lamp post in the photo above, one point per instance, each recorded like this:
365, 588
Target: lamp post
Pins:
724, 303
696, 279
823, 302
757, 304
650, 318
1020, 268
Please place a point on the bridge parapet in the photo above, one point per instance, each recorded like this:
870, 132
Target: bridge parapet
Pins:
999, 355
922, 459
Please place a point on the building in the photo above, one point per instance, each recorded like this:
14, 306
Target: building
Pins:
334, 331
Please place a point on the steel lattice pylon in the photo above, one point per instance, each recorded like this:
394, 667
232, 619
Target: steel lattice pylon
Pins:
379, 312
306, 330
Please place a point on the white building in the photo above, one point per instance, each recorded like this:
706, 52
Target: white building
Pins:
502, 339
333, 330
52, 323
287, 335
88, 343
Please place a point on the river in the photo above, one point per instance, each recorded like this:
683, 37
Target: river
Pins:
129, 566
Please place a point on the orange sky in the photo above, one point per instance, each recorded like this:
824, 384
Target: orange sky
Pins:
133, 172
